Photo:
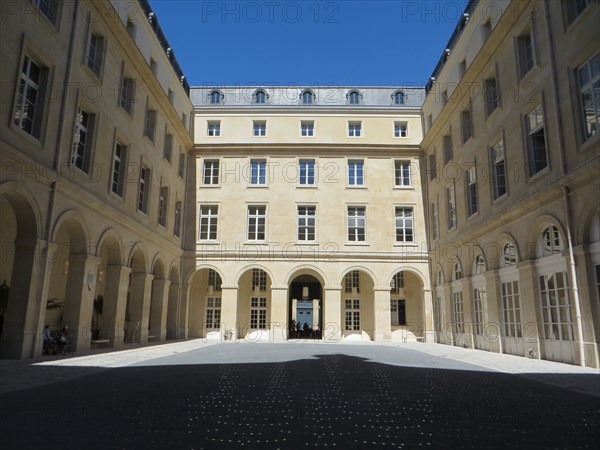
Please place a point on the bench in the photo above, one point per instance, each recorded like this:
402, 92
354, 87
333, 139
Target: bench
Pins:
98, 342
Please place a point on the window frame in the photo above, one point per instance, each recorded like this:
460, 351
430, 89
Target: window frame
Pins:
307, 128
144, 186
400, 129
255, 219
163, 206
95, 63
356, 173
588, 87
120, 171
213, 128
353, 216
451, 207
403, 173
536, 164
259, 128
355, 129
404, 225
210, 227
304, 225
84, 154
261, 174
495, 163
25, 83
471, 190
127, 93
211, 171
306, 166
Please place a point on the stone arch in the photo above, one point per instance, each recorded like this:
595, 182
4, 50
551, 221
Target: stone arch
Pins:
138, 258
189, 276
415, 271
245, 269
20, 233
456, 267
362, 269
306, 269
116, 256
543, 222
157, 267
75, 223
503, 240
589, 228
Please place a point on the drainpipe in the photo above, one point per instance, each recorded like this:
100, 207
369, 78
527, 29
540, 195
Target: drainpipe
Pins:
57, 158
573, 271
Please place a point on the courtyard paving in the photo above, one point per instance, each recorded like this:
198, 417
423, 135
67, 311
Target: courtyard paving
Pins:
297, 395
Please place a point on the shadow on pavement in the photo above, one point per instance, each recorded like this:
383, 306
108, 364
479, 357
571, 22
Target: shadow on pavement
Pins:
333, 401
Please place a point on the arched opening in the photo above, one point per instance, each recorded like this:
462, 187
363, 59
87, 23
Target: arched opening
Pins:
136, 310
20, 255
254, 305
407, 319
358, 314
172, 327
108, 307
305, 307
205, 305
69, 302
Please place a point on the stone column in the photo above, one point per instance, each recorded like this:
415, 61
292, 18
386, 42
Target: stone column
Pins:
428, 329
183, 317
115, 303
492, 312
22, 324
229, 319
468, 313
332, 314
528, 285
279, 313
382, 314
79, 300
139, 302
158, 305
171, 321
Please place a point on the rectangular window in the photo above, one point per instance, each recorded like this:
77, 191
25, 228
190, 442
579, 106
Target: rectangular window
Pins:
307, 128
478, 301
435, 222
168, 147
466, 125
49, 8
432, 166
208, 222
457, 309
163, 203
471, 179
525, 53
211, 172
498, 170
537, 158
258, 313
150, 124
575, 7
144, 189
451, 206
177, 220
306, 223
259, 280
556, 310
127, 98
402, 173
491, 95
439, 313
214, 129
260, 128
82, 146
118, 171
398, 312
354, 129
357, 224
30, 98
258, 172
448, 151
588, 77
213, 313
356, 173
352, 314
511, 309
214, 280
95, 51
256, 223
404, 225
352, 281
307, 172
181, 168
400, 129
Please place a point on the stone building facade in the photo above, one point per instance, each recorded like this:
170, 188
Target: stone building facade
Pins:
512, 144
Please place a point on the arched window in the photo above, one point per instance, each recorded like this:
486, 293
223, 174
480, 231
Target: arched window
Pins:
479, 265
397, 282
260, 96
509, 255
308, 97
353, 98
399, 98
215, 97
440, 278
457, 272
551, 243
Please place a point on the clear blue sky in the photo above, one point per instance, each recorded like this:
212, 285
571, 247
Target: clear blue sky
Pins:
348, 42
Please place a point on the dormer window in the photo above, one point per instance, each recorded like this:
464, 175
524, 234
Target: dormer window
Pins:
308, 98
260, 96
399, 98
354, 98
216, 97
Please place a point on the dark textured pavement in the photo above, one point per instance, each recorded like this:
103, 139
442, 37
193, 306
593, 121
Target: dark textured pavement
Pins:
298, 397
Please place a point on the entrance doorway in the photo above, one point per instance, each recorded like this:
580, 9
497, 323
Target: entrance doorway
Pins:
305, 308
